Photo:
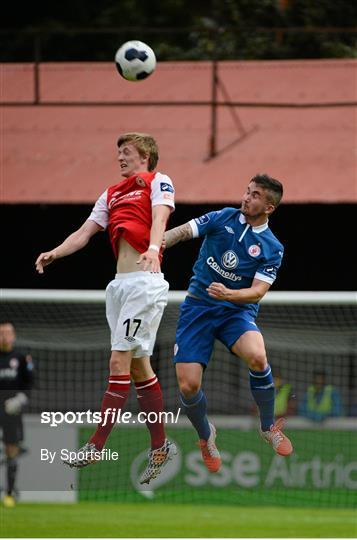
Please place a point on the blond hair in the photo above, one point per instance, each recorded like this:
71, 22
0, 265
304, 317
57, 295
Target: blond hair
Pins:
145, 145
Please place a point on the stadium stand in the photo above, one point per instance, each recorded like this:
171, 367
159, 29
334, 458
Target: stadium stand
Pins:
59, 153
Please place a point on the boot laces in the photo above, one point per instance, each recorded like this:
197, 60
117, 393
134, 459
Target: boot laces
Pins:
158, 456
208, 447
277, 437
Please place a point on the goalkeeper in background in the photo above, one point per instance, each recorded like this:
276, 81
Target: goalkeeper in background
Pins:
238, 262
16, 379
135, 211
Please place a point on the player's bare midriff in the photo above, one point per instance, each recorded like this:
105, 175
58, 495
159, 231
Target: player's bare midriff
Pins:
127, 258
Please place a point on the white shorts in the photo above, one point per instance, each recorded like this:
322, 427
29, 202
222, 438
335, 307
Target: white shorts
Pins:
135, 303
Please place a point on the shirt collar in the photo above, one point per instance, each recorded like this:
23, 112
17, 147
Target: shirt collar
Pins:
258, 229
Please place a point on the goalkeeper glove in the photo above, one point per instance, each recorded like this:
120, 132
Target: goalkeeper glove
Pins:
14, 405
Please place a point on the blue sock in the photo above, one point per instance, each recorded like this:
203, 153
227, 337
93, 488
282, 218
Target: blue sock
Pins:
196, 409
263, 391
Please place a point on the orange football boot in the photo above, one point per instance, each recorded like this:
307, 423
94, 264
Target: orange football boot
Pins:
276, 438
210, 454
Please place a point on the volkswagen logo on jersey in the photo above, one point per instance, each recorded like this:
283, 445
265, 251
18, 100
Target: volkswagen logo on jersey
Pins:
230, 260
254, 250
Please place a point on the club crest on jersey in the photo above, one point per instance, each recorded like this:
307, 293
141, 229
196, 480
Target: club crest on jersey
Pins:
254, 250
14, 363
230, 260
140, 181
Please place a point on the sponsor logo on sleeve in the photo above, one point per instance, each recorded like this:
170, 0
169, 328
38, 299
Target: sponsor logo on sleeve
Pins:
164, 186
29, 362
202, 220
169, 196
271, 270
254, 250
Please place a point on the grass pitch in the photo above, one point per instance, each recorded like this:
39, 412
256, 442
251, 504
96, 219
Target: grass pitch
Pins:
148, 520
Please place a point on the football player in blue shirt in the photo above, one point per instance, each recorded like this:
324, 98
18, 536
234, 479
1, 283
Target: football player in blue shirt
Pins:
238, 262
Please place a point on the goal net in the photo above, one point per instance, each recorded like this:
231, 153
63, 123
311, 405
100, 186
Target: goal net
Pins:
67, 335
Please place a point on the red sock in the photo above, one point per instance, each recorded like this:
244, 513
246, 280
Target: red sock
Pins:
114, 397
150, 400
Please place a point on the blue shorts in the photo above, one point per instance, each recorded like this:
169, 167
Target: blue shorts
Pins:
200, 323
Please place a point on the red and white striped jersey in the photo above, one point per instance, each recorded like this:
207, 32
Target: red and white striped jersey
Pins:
126, 208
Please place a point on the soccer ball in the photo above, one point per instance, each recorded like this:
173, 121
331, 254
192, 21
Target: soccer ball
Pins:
135, 60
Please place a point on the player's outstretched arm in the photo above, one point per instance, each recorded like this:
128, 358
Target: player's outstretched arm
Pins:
74, 242
248, 295
178, 234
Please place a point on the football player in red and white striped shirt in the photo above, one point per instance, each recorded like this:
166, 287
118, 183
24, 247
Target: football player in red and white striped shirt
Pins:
135, 211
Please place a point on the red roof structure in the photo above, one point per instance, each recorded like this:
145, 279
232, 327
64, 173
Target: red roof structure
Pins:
66, 153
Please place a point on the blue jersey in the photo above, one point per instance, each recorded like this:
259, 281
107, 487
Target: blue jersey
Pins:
233, 253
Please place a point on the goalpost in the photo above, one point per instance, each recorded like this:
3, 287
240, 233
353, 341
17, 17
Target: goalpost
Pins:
67, 334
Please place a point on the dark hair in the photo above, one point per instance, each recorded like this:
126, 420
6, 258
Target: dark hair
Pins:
270, 184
